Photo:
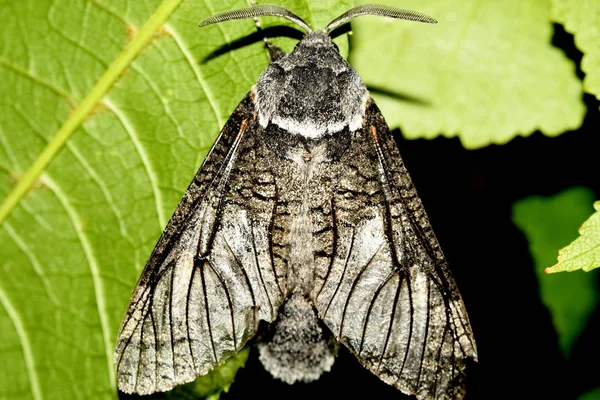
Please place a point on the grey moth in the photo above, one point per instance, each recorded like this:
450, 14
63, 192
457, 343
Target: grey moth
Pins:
302, 227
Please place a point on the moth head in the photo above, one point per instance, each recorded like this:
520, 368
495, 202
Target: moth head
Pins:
321, 37
312, 91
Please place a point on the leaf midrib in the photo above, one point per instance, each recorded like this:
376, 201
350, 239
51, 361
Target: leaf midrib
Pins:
112, 74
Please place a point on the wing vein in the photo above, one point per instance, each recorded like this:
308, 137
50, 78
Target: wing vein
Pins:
439, 356
354, 283
454, 331
187, 316
208, 324
350, 247
246, 278
376, 294
155, 342
334, 225
173, 265
258, 268
128, 341
137, 373
466, 329
393, 316
229, 302
221, 179
410, 328
270, 240
426, 333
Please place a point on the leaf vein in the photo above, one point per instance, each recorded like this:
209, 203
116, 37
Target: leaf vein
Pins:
94, 270
13, 315
37, 267
165, 105
128, 126
199, 76
103, 188
36, 79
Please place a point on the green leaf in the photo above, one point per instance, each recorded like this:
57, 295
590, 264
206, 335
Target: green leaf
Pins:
582, 19
107, 109
584, 252
548, 224
487, 72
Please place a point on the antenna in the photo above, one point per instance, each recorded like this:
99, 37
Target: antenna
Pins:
381, 10
258, 10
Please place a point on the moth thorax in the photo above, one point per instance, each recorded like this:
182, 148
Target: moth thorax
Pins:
311, 92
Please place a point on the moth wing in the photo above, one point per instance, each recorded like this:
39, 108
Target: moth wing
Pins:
388, 294
210, 278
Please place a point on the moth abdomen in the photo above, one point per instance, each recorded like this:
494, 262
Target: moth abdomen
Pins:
299, 348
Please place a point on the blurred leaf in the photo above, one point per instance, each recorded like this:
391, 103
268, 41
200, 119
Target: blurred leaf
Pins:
582, 19
548, 224
487, 72
591, 395
72, 248
584, 252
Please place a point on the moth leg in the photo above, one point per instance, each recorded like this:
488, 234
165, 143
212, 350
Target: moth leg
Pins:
275, 52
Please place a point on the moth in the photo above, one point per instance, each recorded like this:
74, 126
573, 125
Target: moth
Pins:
301, 227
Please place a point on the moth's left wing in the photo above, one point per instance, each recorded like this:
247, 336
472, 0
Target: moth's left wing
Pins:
388, 294
211, 277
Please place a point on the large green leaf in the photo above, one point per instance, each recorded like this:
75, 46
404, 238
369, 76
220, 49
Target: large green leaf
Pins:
550, 223
115, 101
487, 72
582, 19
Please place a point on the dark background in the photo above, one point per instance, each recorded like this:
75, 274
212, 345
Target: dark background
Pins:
469, 195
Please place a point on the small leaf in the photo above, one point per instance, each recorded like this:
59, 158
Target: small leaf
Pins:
548, 224
487, 72
584, 252
582, 19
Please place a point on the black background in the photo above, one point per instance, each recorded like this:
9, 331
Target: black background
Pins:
469, 195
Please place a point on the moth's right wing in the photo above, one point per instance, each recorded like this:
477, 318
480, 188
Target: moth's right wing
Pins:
388, 294
211, 276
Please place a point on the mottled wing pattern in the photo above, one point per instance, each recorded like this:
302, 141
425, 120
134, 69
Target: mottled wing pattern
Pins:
211, 277
388, 294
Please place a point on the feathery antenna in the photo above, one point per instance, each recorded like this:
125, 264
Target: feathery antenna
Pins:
381, 10
258, 10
